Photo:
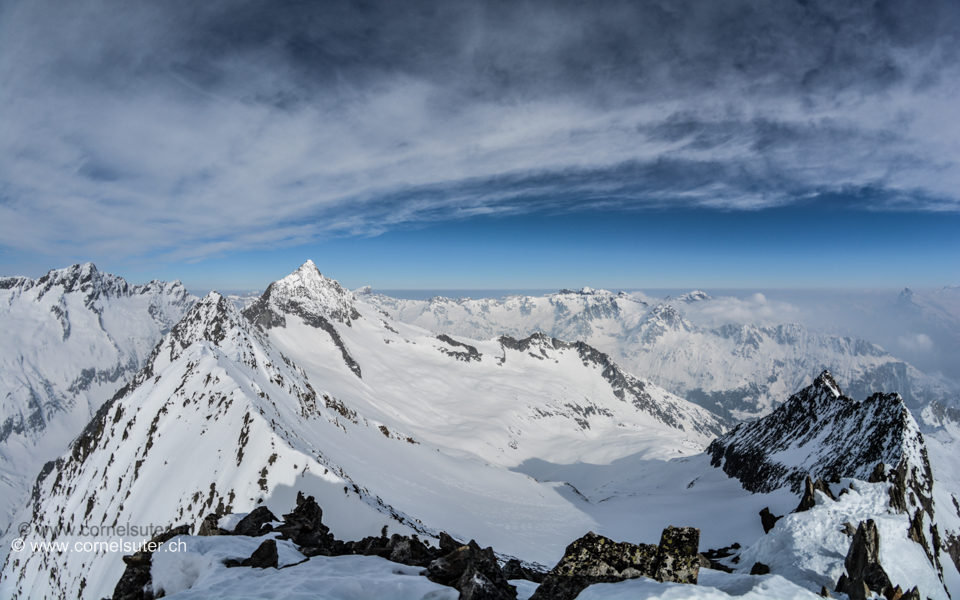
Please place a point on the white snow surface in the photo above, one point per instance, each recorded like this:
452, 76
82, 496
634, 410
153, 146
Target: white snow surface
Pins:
742, 369
523, 446
809, 547
70, 340
199, 573
423, 442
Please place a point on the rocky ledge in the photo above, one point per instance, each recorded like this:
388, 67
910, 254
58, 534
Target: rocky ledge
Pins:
477, 573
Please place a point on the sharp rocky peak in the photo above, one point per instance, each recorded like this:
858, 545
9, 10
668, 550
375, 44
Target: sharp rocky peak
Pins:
210, 319
819, 432
305, 293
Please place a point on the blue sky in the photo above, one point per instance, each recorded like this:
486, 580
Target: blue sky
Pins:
481, 145
811, 246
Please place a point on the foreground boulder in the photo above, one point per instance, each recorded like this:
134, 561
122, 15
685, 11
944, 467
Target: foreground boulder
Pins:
256, 523
768, 519
597, 559
474, 572
135, 583
677, 557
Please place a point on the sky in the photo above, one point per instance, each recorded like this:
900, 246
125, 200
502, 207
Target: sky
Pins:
484, 145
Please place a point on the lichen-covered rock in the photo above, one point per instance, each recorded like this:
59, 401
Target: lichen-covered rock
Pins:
596, 559
678, 559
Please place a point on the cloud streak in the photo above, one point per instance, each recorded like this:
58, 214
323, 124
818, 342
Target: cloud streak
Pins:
185, 131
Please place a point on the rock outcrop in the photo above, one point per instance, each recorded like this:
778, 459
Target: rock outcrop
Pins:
135, 582
820, 433
474, 572
597, 559
864, 574
808, 500
768, 519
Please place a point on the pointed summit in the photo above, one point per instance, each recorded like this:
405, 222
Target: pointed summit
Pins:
307, 294
820, 433
210, 319
825, 381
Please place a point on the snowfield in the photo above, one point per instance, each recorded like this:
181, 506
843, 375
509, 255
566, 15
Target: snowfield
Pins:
521, 443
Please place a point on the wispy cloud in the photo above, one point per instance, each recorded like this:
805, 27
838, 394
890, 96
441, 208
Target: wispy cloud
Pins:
186, 130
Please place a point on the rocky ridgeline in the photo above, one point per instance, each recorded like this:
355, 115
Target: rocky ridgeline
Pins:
475, 572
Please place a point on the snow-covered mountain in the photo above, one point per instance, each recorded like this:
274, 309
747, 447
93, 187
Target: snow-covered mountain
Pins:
737, 370
822, 433
819, 432
384, 423
71, 339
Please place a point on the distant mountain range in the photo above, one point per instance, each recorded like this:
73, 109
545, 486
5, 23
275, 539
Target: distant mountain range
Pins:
72, 338
518, 438
735, 370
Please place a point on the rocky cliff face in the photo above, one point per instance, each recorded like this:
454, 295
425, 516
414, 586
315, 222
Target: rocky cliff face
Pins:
821, 433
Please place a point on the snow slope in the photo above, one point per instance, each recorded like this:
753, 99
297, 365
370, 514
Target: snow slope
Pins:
222, 418
71, 339
522, 444
737, 370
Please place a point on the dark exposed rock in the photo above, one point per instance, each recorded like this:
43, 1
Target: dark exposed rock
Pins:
677, 557
913, 594
596, 559
514, 569
209, 526
879, 474
824, 592
759, 568
135, 582
864, 572
826, 434
304, 525
470, 353
264, 556
447, 543
768, 519
474, 572
709, 559
849, 529
409, 551
810, 487
257, 523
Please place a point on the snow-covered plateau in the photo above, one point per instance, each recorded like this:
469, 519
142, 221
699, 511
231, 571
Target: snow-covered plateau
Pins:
522, 442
